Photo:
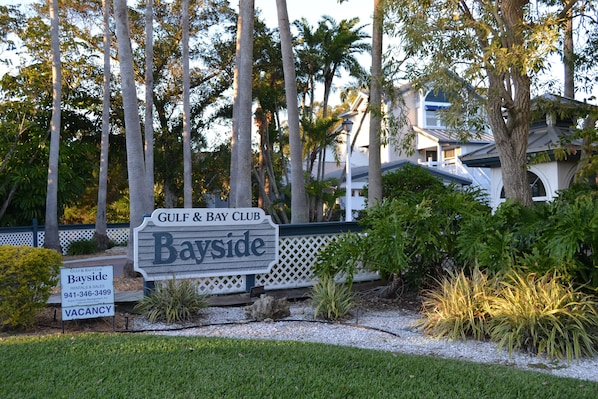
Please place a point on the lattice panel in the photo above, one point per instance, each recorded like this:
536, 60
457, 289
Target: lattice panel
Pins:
17, 239
297, 255
119, 235
221, 285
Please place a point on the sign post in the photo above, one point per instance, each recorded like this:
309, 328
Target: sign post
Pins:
205, 242
87, 292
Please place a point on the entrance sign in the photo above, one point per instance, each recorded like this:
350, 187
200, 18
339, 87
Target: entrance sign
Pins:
205, 242
87, 292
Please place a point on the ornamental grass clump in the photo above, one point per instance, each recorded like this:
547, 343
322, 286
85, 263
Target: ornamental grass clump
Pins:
331, 300
544, 315
458, 307
173, 302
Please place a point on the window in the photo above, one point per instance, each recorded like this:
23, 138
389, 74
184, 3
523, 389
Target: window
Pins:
449, 154
536, 185
434, 103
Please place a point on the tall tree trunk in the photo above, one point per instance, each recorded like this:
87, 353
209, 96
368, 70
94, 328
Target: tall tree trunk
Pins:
374, 158
241, 155
299, 210
187, 183
568, 57
134, 142
149, 101
101, 227
511, 135
52, 239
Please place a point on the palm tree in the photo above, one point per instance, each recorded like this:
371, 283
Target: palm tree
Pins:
187, 181
241, 155
374, 159
299, 211
101, 227
134, 143
341, 42
52, 239
149, 100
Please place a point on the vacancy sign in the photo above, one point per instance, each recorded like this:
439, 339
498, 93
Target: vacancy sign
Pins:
87, 292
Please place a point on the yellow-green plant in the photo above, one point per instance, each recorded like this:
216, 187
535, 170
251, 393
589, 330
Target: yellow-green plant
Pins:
331, 300
544, 315
27, 277
172, 301
458, 307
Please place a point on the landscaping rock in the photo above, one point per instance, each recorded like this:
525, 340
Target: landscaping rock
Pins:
268, 307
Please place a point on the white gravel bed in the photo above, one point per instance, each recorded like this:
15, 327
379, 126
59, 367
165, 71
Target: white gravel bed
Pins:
388, 330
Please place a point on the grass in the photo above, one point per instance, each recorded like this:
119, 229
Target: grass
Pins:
147, 366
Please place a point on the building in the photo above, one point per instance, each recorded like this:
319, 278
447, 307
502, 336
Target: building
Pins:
431, 144
550, 168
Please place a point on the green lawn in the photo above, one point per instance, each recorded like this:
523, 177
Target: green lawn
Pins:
146, 366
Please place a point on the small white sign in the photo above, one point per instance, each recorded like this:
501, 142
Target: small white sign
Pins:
87, 292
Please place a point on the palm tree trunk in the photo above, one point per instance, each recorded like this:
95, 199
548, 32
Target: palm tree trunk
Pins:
134, 142
375, 163
52, 239
241, 155
149, 101
101, 227
299, 211
187, 183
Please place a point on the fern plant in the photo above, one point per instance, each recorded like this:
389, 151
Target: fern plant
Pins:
173, 302
544, 315
331, 300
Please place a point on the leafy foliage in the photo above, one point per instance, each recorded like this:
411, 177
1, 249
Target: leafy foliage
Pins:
341, 257
414, 230
173, 301
83, 247
560, 236
331, 300
27, 277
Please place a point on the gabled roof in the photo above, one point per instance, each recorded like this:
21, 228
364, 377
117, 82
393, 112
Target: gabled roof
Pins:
446, 136
542, 138
360, 173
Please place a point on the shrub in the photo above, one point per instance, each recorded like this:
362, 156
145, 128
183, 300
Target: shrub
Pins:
458, 308
27, 277
83, 247
172, 301
331, 300
342, 257
544, 315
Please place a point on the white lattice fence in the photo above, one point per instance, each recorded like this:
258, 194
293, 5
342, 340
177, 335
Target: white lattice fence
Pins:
118, 235
297, 256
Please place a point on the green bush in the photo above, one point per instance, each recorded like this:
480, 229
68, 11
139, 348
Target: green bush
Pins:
331, 300
459, 307
544, 315
172, 301
83, 247
561, 236
27, 277
342, 257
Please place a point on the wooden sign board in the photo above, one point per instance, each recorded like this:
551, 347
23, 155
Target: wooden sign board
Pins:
205, 242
